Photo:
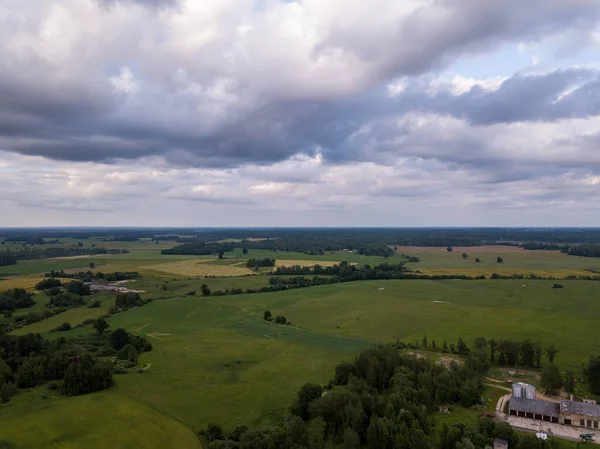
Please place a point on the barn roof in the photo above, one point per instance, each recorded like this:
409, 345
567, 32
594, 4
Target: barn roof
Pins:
534, 406
580, 408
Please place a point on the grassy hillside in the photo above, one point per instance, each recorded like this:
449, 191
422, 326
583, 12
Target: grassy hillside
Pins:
198, 341
98, 420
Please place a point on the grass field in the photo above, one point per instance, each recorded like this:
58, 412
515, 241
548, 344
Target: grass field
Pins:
515, 260
197, 341
195, 377
98, 420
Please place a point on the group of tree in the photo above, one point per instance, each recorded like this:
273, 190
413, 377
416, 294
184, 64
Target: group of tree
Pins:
71, 364
52, 252
199, 248
383, 400
128, 300
16, 298
7, 258
279, 319
256, 263
588, 250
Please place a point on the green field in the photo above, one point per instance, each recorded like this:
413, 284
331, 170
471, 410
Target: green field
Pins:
515, 261
216, 360
98, 420
198, 340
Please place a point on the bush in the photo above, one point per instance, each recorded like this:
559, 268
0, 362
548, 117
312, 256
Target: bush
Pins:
53, 386
128, 352
63, 327
267, 316
280, 320
557, 286
95, 304
48, 283
88, 321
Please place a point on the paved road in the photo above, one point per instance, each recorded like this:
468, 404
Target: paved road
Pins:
557, 430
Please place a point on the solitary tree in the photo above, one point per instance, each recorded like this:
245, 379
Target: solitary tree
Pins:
478, 260
465, 256
244, 251
569, 382
449, 249
92, 265
101, 325
499, 259
593, 374
205, 290
221, 253
551, 379
267, 315
551, 353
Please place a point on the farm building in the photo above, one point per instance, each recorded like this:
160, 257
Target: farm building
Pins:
534, 409
522, 390
571, 413
581, 414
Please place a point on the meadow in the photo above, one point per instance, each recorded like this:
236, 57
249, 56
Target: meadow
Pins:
198, 341
215, 358
515, 261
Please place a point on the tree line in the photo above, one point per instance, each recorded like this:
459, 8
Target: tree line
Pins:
256, 263
7, 258
47, 253
89, 276
199, 248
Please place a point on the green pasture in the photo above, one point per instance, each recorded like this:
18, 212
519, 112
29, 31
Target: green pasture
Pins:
198, 341
541, 263
99, 420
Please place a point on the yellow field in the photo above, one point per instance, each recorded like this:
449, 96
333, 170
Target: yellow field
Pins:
305, 263
27, 283
198, 268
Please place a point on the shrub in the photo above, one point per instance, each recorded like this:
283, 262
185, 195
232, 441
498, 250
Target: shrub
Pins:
267, 316
557, 286
63, 327
95, 304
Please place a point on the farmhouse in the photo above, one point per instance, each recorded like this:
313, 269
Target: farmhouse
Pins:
571, 413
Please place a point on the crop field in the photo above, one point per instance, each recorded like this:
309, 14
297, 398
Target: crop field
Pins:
98, 420
515, 261
198, 268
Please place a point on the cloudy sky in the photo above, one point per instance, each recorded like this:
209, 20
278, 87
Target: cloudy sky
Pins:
300, 113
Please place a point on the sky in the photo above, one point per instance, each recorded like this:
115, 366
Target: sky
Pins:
300, 113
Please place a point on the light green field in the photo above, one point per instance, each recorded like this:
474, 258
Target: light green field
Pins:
516, 260
98, 420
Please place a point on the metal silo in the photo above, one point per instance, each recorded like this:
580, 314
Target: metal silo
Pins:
517, 390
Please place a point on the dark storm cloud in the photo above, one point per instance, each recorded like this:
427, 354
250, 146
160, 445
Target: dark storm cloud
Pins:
83, 118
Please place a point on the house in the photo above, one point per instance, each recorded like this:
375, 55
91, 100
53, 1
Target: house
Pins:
500, 444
